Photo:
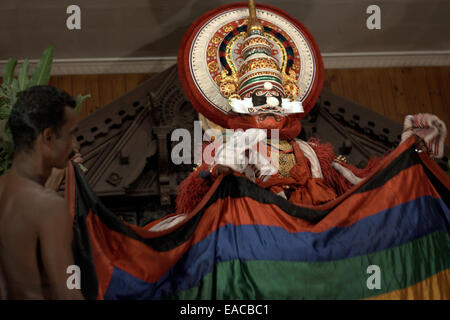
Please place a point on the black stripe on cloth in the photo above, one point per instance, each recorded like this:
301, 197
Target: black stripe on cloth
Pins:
404, 161
81, 245
444, 193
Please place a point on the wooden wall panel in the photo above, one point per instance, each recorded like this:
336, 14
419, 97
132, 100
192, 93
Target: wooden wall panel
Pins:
93, 103
393, 92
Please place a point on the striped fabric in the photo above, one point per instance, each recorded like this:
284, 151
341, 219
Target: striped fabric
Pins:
244, 242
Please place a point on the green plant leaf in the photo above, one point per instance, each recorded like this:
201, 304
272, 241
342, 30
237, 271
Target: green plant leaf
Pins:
41, 73
7, 139
13, 91
4, 163
6, 147
4, 113
23, 75
2, 128
79, 99
3, 93
8, 72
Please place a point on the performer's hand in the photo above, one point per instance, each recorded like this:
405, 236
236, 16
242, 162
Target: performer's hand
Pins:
420, 145
77, 158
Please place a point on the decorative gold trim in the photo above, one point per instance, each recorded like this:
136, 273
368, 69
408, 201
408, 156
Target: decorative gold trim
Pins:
340, 159
228, 84
290, 84
253, 23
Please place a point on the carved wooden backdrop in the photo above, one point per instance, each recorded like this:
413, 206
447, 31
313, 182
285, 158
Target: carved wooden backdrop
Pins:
393, 92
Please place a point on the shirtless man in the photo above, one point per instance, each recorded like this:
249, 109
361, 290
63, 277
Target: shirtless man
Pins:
35, 223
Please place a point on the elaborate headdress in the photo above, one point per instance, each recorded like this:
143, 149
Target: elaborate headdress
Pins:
241, 60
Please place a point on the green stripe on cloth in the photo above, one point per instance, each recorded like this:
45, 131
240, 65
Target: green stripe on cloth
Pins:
341, 279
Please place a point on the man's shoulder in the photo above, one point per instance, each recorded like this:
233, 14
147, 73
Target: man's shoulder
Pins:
49, 201
38, 199
37, 208
50, 211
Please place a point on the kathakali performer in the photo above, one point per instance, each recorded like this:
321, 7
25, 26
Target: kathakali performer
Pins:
252, 70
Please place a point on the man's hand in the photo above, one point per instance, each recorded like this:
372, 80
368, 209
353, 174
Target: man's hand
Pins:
77, 158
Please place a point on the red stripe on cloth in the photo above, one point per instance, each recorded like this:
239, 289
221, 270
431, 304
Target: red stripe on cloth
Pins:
435, 169
103, 248
353, 209
436, 144
111, 248
422, 123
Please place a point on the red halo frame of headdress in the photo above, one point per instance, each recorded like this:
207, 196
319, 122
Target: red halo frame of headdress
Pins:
230, 121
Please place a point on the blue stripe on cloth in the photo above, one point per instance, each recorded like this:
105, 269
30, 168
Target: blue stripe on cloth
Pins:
386, 229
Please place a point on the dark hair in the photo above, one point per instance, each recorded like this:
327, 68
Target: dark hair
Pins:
36, 109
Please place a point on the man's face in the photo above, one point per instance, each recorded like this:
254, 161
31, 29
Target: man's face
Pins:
65, 142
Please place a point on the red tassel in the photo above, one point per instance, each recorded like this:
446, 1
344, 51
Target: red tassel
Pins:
362, 173
301, 196
191, 190
320, 192
331, 177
